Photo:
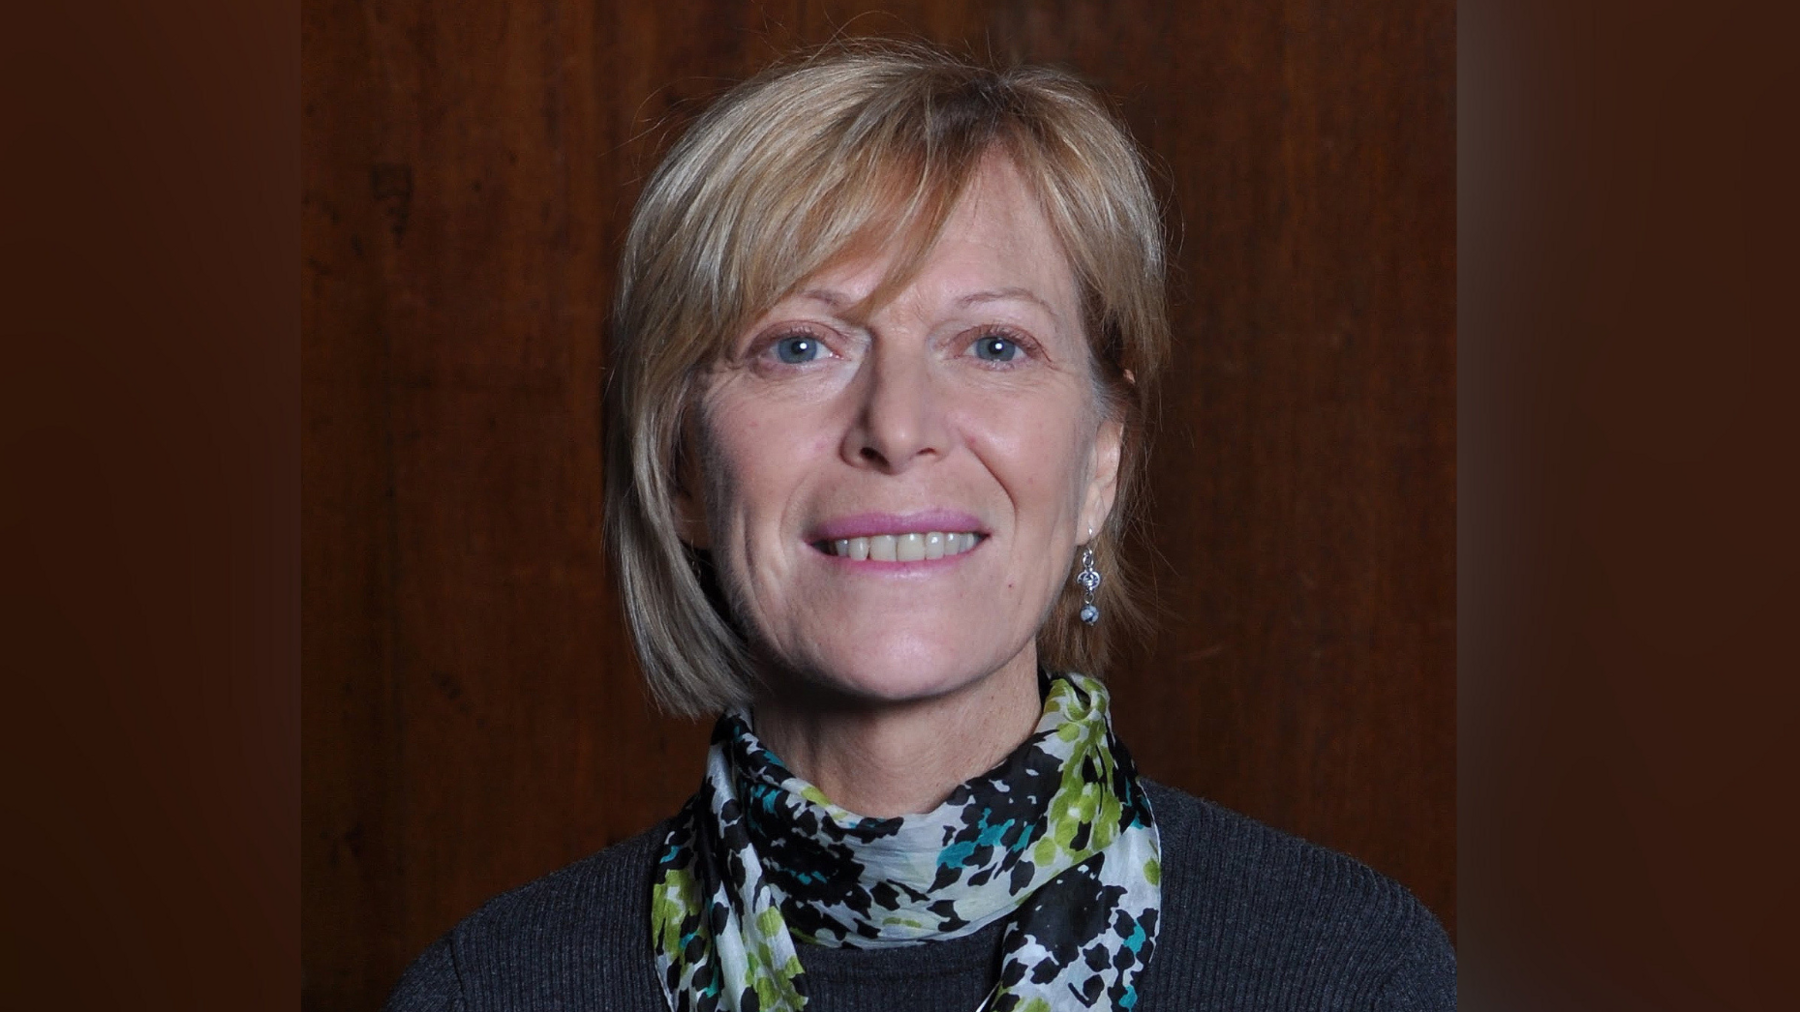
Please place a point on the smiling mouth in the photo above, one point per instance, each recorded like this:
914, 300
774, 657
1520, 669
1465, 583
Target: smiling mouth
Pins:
902, 547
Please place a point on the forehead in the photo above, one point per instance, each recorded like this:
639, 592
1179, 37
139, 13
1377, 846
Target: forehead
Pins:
995, 245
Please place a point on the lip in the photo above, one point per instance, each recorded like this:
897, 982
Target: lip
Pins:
864, 525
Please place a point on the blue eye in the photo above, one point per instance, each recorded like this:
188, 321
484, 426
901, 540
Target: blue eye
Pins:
797, 349
996, 348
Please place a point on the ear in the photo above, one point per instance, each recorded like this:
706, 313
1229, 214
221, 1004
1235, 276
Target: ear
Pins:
1103, 485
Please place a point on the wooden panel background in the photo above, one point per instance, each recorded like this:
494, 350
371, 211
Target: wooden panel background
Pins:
472, 714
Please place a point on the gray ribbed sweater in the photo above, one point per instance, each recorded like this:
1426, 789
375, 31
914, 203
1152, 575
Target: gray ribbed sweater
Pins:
1252, 919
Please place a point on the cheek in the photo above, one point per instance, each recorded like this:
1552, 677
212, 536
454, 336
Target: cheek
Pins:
1038, 449
756, 457
735, 478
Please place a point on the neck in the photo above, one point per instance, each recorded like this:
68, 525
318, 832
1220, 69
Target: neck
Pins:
885, 758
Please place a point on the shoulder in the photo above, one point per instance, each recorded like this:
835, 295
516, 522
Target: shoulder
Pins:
1279, 922
578, 938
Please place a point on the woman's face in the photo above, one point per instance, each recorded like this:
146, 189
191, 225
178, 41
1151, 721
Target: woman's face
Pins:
958, 422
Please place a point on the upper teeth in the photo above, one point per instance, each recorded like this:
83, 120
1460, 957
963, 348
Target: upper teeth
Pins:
903, 547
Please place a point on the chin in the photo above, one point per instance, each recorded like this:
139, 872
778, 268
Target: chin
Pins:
909, 670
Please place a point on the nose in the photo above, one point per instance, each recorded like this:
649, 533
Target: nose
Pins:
899, 419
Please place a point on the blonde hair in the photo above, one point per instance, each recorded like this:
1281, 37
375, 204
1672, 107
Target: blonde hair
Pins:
850, 149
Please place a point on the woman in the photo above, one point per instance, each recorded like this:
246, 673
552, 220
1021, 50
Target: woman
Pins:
886, 328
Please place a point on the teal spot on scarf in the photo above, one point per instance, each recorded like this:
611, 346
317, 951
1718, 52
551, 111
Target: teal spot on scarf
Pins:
954, 855
991, 835
957, 854
1136, 940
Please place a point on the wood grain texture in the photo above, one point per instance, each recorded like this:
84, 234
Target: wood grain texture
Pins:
472, 713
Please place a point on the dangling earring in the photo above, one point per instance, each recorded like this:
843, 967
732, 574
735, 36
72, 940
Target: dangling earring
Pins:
1089, 579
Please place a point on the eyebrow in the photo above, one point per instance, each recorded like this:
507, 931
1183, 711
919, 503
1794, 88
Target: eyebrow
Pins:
838, 300
834, 299
1004, 295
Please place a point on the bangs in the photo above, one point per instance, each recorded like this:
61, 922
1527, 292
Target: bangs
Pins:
885, 188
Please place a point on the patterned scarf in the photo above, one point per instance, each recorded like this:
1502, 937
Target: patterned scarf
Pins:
1058, 839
